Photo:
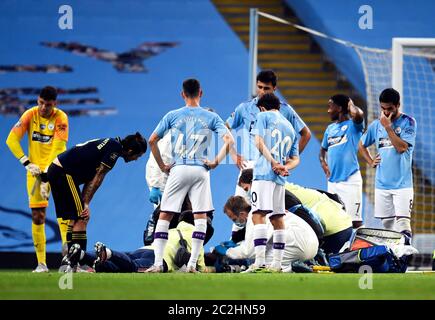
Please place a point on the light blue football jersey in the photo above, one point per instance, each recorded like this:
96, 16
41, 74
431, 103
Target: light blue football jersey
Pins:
280, 138
341, 142
191, 130
243, 120
395, 169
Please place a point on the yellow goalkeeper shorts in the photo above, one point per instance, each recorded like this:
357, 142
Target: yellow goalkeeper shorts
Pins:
35, 198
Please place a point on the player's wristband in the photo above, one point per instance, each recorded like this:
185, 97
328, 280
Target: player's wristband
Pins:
44, 177
24, 160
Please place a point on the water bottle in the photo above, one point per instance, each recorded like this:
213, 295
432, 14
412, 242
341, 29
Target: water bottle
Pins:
148, 235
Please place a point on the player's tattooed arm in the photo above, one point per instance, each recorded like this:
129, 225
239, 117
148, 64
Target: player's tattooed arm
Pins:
91, 187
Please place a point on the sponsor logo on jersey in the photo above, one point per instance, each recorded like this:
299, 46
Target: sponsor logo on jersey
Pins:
335, 141
43, 138
384, 143
102, 144
42, 126
18, 124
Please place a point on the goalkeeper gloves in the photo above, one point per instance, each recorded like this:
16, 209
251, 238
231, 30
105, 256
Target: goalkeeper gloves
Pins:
155, 195
31, 167
44, 190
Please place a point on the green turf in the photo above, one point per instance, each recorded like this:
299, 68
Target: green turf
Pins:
25, 285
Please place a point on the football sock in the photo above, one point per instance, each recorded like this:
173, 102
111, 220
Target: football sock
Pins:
260, 239
68, 236
80, 238
388, 223
198, 237
63, 228
160, 240
278, 248
39, 242
403, 225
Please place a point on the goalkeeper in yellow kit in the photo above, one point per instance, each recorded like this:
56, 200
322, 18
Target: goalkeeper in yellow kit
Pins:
47, 132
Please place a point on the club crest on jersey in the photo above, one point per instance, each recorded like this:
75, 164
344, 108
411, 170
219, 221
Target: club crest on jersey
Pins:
42, 126
343, 128
398, 130
51, 126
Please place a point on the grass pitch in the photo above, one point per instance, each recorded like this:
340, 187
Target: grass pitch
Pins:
177, 286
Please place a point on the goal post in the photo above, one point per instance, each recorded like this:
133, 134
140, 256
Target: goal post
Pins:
253, 51
398, 45
409, 67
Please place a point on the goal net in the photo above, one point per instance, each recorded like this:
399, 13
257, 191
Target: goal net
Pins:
409, 67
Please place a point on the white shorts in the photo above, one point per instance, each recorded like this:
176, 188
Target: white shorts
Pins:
267, 196
350, 192
193, 181
393, 203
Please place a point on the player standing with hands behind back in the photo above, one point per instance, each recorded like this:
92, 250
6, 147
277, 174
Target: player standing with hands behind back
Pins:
394, 135
47, 131
244, 118
276, 140
191, 129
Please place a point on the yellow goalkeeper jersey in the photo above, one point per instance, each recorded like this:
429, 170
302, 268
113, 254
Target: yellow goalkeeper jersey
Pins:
47, 137
333, 218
